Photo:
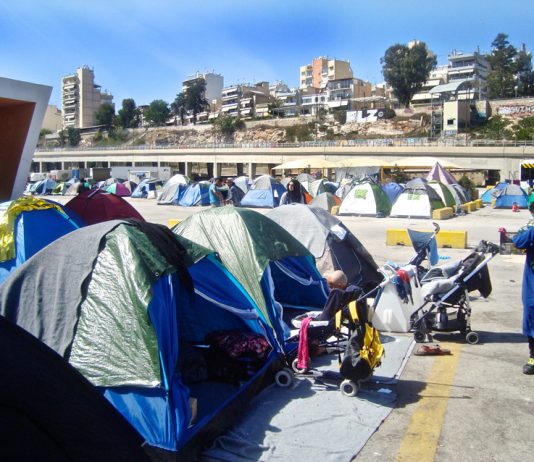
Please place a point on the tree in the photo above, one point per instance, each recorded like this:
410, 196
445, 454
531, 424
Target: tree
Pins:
525, 75
128, 116
105, 114
157, 113
502, 76
226, 126
73, 136
274, 107
406, 68
195, 98
178, 106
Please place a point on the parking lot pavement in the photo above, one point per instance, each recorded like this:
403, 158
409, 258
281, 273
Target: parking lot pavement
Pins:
483, 410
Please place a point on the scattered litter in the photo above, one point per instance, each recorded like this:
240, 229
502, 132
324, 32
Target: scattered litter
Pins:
431, 350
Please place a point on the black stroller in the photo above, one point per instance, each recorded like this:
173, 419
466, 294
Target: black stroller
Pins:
445, 289
361, 348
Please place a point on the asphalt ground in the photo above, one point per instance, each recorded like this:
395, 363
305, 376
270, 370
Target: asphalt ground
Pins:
474, 405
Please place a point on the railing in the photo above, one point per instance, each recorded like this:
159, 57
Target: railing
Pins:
379, 142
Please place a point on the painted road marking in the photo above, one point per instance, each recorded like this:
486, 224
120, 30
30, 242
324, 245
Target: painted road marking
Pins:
421, 438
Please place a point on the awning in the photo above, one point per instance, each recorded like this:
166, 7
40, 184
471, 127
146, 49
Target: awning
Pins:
452, 87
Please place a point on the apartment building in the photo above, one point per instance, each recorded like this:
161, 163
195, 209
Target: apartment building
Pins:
438, 76
214, 84
469, 66
323, 69
53, 119
341, 92
81, 97
245, 100
289, 97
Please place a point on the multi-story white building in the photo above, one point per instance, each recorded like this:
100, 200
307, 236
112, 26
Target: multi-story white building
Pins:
341, 92
81, 98
469, 66
214, 84
438, 76
53, 119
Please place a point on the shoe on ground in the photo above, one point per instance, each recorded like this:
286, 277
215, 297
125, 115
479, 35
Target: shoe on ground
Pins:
528, 368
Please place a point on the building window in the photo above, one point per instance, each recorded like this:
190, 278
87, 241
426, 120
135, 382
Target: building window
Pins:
450, 121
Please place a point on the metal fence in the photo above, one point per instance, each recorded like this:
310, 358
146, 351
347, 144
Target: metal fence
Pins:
379, 142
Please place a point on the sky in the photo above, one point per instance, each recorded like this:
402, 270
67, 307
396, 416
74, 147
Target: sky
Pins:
145, 49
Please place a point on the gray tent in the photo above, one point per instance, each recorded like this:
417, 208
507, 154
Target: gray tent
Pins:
331, 243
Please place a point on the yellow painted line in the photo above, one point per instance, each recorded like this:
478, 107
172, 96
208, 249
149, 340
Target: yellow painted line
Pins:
421, 438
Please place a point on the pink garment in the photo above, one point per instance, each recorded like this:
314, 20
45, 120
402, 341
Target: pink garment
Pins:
303, 355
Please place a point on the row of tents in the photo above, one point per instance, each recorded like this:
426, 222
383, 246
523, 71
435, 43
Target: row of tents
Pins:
129, 307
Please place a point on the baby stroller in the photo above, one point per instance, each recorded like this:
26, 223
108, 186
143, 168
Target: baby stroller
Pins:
362, 348
445, 291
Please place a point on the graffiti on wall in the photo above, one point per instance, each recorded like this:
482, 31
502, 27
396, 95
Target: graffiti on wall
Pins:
516, 110
369, 115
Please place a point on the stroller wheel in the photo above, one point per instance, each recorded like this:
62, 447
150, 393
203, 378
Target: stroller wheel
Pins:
284, 377
472, 338
295, 367
348, 388
419, 336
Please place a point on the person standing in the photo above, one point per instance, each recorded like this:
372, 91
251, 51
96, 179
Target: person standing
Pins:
524, 239
293, 195
235, 193
216, 197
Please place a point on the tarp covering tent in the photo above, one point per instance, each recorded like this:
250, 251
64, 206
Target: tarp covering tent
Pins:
128, 332
326, 201
438, 173
366, 198
444, 193
49, 411
274, 267
331, 243
119, 190
392, 190
72, 190
97, 206
195, 194
265, 191
147, 189
26, 226
487, 197
505, 197
418, 200
173, 189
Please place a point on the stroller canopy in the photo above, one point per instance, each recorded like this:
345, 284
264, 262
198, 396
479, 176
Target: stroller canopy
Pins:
97, 206
273, 266
418, 200
122, 328
26, 226
264, 192
331, 243
366, 198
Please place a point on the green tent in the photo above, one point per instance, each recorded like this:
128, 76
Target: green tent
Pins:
261, 255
